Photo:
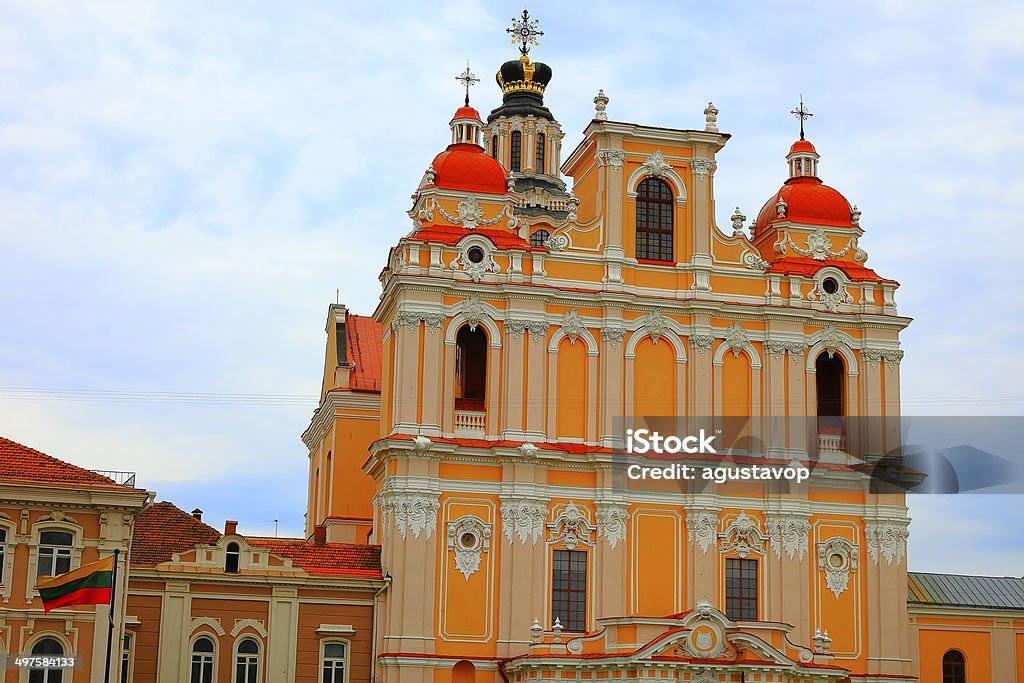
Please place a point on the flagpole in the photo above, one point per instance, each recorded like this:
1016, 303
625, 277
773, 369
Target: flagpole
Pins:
110, 617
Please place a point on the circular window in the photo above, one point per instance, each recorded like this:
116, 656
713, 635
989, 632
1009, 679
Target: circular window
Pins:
830, 285
475, 254
468, 539
836, 560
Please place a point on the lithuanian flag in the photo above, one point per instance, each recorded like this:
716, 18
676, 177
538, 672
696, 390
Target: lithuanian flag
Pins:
90, 584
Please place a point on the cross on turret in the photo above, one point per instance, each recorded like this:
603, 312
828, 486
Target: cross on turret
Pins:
803, 114
524, 31
468, 79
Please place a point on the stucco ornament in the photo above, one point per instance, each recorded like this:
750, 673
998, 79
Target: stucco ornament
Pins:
572, 325
600, 105
475, 269
855, 214
469, 537
888, 539
743, 536
702, 168
702, 528
738, 218
528, 450
412, 320
736, 339
837, 557
892, 357
753, 260
780, 208
517, 328
830, 339
469, 212
831, 301
523, 519
571, 528
612, 519
411, 511
421, 443
612, 158
556, 243
702, 342
819, 246
711, 118
788, 532
613, 334
655, 324
656, 165
473, 311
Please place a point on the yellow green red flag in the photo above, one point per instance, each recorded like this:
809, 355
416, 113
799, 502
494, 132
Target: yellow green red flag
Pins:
90, 584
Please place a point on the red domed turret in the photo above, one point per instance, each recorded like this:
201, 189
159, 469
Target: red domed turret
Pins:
464, 165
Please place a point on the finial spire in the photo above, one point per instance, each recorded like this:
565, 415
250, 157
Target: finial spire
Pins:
524, 31
467, 78
803, 114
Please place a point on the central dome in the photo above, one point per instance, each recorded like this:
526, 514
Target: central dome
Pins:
467, 168
808, 200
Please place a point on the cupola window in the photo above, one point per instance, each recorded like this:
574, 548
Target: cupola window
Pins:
540, 153
654, 204
515, 162
231, 557
470, 368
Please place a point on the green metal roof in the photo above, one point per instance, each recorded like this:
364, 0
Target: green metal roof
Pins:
957, 590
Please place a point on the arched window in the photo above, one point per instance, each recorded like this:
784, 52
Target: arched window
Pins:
54, 553
231, 557
470, 368
654, 220
47, 647
829, 379
954, 668
333, 664
247, 662
515, 162
463, 672
202, 661
539, 237
539, 165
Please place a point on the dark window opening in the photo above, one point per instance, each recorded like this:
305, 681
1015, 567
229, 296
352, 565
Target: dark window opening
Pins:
470, 368
475, 254
333, 665
828, 376
954, 668
654, 203
540, 153
202, 661
515, 162
247, 662
539, 237
47, 647
231, 557
494, 146
569, 589
741, 589
830, 285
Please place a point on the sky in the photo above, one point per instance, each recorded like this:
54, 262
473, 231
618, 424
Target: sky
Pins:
184, 187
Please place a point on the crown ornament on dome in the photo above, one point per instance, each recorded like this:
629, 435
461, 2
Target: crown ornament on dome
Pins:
522, 75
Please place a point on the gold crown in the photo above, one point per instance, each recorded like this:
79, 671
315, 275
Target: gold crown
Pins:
526, 83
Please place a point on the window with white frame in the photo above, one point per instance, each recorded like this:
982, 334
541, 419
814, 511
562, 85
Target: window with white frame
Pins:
334, 661
202, 661
3, 554
126, 657
247, 662
55, 552
47, 647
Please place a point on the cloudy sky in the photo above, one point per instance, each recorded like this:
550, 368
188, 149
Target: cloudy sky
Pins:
184, 187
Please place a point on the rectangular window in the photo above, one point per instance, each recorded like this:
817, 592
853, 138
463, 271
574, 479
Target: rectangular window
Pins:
54, 553
516, 158
126, 659
333, 664
741, 589
569, 589
3, 553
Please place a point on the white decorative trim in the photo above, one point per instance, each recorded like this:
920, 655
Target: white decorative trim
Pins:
656, 165
523, 518
411, 511
612, 519
702, 528
778, 348
655, 325
254, 624
736, 339
469, 537
834, 300
702, 168
412, 319
572, 325
892, 357
612, 158
211, 622
702, 342
819, 245
613, 335
473, 311
789, 532
888, 537
475, 271
753, 260
536, 328
743, 536
571, 528
837, 557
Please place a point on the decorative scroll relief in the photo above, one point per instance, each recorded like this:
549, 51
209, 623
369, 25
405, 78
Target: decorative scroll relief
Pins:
557, 242
571, 528
837, 557
517, 328
613, 335
469, 537
523, 518
702, 342
469, 214
736, 339
611, 522
412, 319
753, 260
411, 512
819, 245
779, 348
830, 339
702, 167
887, 538
473, 311
743, 536
475, 269
702, 528
572, 325
892, 357
832, 301
656, 165
789, 533
612, 158
656, 325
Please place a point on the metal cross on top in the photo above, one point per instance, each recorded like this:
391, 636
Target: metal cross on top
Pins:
803, 114
524, 31
467, 78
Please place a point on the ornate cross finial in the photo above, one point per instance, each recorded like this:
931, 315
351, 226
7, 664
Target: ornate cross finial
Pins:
467, 78
524, 31
803, 114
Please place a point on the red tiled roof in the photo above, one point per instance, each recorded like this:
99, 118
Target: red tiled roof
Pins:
162, 529
22, 463
364, 337
449, 234
806, 266
808, 200
325, 558
466, 167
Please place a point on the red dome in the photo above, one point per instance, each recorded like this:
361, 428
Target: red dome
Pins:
808, 200
467, 113
467, 168
803, 146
